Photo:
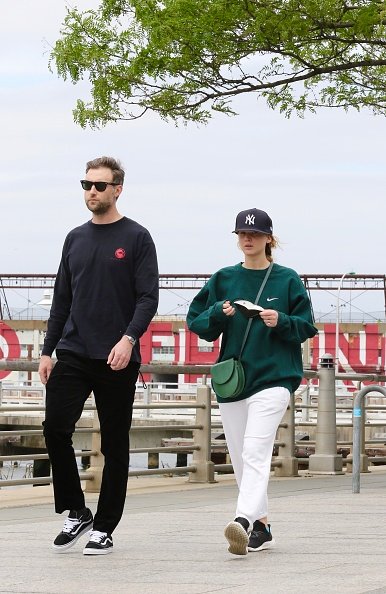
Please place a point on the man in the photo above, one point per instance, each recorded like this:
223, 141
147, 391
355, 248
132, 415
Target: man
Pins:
105, 295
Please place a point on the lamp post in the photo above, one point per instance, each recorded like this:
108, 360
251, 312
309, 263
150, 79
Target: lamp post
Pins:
46, 302
337, 320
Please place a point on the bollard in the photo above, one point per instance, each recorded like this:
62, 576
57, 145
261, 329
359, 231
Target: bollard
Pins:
364, 459
286, 434
326, 460
357, 433
203, 438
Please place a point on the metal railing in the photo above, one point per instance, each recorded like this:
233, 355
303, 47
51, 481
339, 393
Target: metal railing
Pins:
357, 432
325, 458
201, 469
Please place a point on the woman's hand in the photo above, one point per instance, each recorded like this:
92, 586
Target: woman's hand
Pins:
270, 317
228, 309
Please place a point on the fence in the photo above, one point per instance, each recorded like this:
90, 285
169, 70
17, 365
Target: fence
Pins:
324, 456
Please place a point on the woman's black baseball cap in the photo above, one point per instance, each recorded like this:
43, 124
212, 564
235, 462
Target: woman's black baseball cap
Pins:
253, 219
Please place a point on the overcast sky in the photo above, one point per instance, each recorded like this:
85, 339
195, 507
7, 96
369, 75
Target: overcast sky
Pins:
322, 178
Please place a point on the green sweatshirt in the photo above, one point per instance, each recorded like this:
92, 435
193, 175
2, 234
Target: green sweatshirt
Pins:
272, 356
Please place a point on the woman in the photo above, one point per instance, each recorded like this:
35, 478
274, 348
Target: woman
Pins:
272, 362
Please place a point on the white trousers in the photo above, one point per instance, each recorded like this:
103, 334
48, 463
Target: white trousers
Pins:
250, 428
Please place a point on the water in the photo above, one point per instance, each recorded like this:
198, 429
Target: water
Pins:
139, 461
19, 469
15, 469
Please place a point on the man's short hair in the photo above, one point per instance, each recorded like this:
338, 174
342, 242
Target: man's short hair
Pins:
110, 163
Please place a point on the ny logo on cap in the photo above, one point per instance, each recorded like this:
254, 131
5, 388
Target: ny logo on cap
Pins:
250, 219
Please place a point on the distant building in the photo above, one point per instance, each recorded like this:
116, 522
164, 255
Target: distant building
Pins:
168, 340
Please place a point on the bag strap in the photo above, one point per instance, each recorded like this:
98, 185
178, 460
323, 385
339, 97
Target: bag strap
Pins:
256, 300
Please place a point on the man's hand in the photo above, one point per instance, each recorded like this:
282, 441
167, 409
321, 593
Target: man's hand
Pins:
45, 368
120, 354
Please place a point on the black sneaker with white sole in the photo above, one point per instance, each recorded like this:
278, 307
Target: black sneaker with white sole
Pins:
237, 536
261, 537
77, 523
100, 543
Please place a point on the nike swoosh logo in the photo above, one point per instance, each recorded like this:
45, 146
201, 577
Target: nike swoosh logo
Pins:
272, 298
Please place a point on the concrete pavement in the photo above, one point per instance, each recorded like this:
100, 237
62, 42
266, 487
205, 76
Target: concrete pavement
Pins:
170, 540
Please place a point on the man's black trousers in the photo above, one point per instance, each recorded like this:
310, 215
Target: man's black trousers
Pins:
72, 380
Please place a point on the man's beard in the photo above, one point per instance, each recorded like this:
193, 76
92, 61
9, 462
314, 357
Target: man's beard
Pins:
99, 208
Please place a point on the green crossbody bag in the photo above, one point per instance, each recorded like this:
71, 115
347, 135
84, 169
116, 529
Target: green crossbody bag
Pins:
228, 377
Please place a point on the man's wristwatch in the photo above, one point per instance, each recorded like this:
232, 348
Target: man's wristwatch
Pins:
131, 339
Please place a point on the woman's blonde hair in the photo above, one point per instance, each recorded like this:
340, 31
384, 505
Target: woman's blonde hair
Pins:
273, 244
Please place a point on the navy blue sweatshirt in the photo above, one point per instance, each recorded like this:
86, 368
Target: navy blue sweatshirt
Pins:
106, 286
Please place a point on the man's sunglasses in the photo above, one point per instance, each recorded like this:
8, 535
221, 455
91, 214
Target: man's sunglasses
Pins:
99, 186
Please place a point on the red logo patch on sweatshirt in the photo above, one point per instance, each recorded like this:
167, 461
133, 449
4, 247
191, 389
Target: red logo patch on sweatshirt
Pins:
120, 253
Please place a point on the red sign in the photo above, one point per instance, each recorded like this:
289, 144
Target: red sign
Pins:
9, 346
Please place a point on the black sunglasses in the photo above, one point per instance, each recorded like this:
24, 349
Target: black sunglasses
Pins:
99, 186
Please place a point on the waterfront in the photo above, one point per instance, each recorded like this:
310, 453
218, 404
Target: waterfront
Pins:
16, 469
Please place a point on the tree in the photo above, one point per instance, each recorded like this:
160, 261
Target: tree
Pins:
186, 59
